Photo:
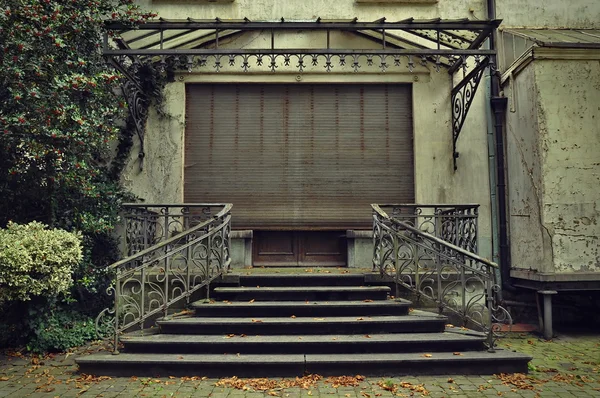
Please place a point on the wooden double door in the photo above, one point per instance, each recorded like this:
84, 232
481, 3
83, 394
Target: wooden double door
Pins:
299, 248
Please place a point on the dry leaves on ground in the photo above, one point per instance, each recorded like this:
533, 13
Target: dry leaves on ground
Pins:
345, 381
519, 380
306, 382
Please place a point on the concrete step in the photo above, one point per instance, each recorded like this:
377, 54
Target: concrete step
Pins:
300, 293
310, 308
304, 344
261, 365
415, 322
308, 279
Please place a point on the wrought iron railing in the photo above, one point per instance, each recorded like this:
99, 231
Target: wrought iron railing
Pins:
456, 279
149, 224
456, 224
184, 251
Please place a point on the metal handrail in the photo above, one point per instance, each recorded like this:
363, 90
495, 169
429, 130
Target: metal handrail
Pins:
226, 209
155, 278
377, 209
456, 279
456, 224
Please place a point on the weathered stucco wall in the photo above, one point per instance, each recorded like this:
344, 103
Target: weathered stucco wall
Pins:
580, 14
569, 128
261, 10
553, 156
529, 240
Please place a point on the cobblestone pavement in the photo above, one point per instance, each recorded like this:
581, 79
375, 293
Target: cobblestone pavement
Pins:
568, 366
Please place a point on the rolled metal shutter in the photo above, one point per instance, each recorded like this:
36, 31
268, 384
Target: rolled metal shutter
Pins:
299, 156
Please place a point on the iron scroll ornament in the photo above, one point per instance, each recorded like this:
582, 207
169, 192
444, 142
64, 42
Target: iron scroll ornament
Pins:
462, 98
137, 102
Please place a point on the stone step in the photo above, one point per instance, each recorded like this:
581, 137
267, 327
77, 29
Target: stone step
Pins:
261, 365
300, 293
304, 344
308, 279
416, 322
310, 308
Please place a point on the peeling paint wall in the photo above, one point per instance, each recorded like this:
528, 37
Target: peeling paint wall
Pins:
569, 128
261, 10
553, 159
580, 14
529, 241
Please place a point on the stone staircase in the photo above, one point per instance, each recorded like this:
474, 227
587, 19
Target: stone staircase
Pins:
290, 325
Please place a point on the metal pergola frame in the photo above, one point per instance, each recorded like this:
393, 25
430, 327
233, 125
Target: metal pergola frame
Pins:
195, 44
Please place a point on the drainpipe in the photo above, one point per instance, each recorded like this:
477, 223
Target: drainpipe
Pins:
498, 107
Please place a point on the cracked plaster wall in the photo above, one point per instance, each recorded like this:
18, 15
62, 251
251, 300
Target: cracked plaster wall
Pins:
576, 14
553, 158
569, 114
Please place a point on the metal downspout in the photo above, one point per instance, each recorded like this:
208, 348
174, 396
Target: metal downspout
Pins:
497, 105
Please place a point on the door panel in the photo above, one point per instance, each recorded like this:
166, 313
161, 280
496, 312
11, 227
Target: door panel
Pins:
325, 248
299, 248
275, 248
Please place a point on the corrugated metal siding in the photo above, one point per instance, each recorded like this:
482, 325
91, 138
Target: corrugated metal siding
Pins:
299, 156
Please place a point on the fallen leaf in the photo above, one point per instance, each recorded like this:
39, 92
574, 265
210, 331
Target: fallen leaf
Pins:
4, 378
360, 319
427, 355
251, 301
367, 336
319, 319
450, 380
457, 353
368, 301
229, 336
293, 317
449, 326
256, 321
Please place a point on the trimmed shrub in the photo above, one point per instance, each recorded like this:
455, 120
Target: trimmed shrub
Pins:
36, 261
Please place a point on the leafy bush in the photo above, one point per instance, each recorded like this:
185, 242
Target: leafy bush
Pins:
35, 260
60, 330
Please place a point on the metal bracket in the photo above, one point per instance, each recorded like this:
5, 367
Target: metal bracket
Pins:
137, 102
462, 98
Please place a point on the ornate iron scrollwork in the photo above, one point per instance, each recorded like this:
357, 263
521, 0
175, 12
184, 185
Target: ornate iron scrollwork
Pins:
137, 102
462, 98
458, 281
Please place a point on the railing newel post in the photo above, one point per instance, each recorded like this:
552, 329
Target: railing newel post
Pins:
188, 267
490, 307
208, 261
116, 306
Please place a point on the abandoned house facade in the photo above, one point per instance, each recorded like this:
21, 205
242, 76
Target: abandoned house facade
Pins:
295, 117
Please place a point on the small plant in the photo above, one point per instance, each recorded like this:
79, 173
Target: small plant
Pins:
531, 367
